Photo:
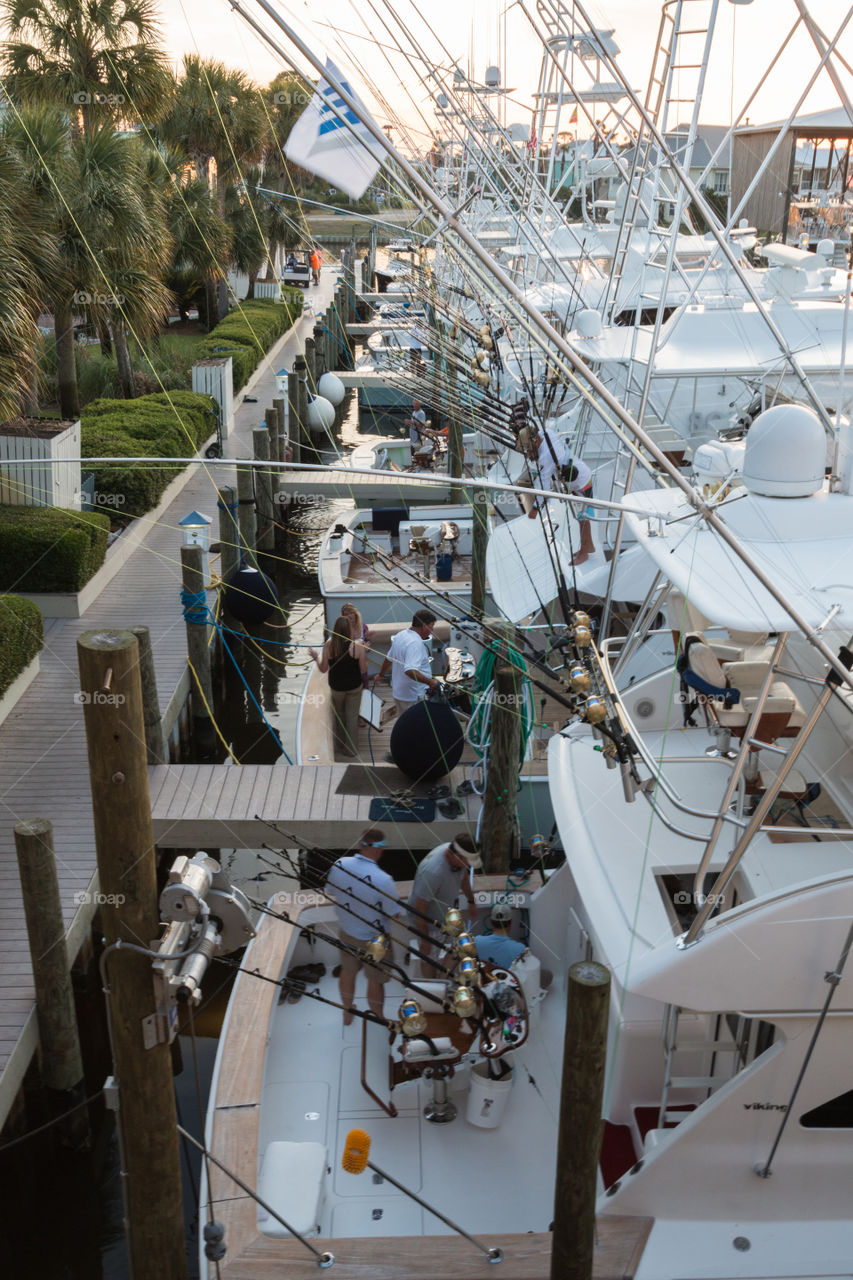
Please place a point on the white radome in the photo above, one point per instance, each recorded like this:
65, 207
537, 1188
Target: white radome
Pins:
331, 388
321, 414
785, 453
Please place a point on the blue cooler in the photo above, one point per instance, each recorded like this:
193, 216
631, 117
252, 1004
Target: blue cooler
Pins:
443, 566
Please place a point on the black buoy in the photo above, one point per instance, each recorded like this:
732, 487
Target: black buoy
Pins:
250, 596
427, 741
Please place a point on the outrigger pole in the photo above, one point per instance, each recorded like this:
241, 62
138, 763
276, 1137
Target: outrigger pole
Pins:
695, 499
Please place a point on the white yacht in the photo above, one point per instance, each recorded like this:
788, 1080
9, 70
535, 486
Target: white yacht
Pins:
712, 872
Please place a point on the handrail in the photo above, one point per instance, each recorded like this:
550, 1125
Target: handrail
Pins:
739, 766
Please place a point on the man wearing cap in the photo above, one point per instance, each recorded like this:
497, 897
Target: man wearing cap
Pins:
367, 904
549, 454
438, 880
498, 947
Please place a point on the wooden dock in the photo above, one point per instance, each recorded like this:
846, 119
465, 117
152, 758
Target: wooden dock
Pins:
43, 761
214, 806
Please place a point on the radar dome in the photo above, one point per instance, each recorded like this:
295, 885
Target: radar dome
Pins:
785, 453
588, 323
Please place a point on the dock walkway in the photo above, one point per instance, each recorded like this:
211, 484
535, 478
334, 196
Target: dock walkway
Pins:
43, 765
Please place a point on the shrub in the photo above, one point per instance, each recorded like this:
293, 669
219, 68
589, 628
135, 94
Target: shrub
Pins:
21, 637
249, 330
170, 425
49, 548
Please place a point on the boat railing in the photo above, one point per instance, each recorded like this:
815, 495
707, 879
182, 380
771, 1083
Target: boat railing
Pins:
659, 783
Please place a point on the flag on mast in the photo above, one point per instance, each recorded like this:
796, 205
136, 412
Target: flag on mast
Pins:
321, 143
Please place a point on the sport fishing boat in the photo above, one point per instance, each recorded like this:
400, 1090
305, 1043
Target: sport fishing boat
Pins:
391, 561
707, 823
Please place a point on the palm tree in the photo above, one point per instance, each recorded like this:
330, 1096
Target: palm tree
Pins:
27, 256
99, 59
107, 227
201, 241
218, 117
259, 226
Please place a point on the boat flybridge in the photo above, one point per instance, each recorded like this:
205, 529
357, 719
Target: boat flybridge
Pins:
707, 823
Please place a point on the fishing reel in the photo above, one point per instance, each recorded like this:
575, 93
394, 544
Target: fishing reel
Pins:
505, 1015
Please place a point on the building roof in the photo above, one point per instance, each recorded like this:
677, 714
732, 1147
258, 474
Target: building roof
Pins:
708, 138
833, 118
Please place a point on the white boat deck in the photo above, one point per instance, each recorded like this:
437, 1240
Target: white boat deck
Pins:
313, 1070
619, 851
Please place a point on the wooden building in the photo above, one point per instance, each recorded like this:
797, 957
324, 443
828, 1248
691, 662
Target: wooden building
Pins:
805, 190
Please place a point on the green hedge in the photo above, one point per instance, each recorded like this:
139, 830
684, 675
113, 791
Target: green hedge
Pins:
249, 331
162, 425
21, 637
50, 549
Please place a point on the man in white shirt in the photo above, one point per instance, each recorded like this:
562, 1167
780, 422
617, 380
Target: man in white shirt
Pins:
409, 662
367, 904
416, 424
549, 453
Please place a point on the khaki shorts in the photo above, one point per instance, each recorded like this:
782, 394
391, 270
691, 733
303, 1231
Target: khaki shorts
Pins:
352, 964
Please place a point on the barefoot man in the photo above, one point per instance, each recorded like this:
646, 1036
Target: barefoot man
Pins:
548, 454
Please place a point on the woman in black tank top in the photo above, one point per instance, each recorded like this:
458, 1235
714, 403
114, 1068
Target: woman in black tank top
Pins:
345, 660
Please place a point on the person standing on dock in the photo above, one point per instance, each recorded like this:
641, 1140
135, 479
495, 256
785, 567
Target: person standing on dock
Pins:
438, 881
315, 265
367, 904
409, 662
345, 659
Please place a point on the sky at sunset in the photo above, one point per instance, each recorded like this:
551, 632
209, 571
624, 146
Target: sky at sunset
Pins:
475, 33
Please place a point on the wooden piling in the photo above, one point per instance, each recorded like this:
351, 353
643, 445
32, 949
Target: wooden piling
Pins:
271, 421
320, 365
581, 1126
115, 738
229, 534
59, 1042
479, 545
198, 650
293, 422
246, 519
265, 538
499, 827
280, 406
300, 369
455, 451
155, 745
310, 366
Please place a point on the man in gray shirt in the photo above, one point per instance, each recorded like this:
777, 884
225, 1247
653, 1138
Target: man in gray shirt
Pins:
436, 887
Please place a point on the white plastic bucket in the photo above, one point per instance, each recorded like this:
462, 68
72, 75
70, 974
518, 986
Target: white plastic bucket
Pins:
487, 1098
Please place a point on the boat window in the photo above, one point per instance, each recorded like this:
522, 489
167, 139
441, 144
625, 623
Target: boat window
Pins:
837, 1113
647, 316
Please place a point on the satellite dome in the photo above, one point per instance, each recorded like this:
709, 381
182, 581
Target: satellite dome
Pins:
785, 453
588, 323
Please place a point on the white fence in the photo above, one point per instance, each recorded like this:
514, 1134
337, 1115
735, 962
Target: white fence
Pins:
35, 480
